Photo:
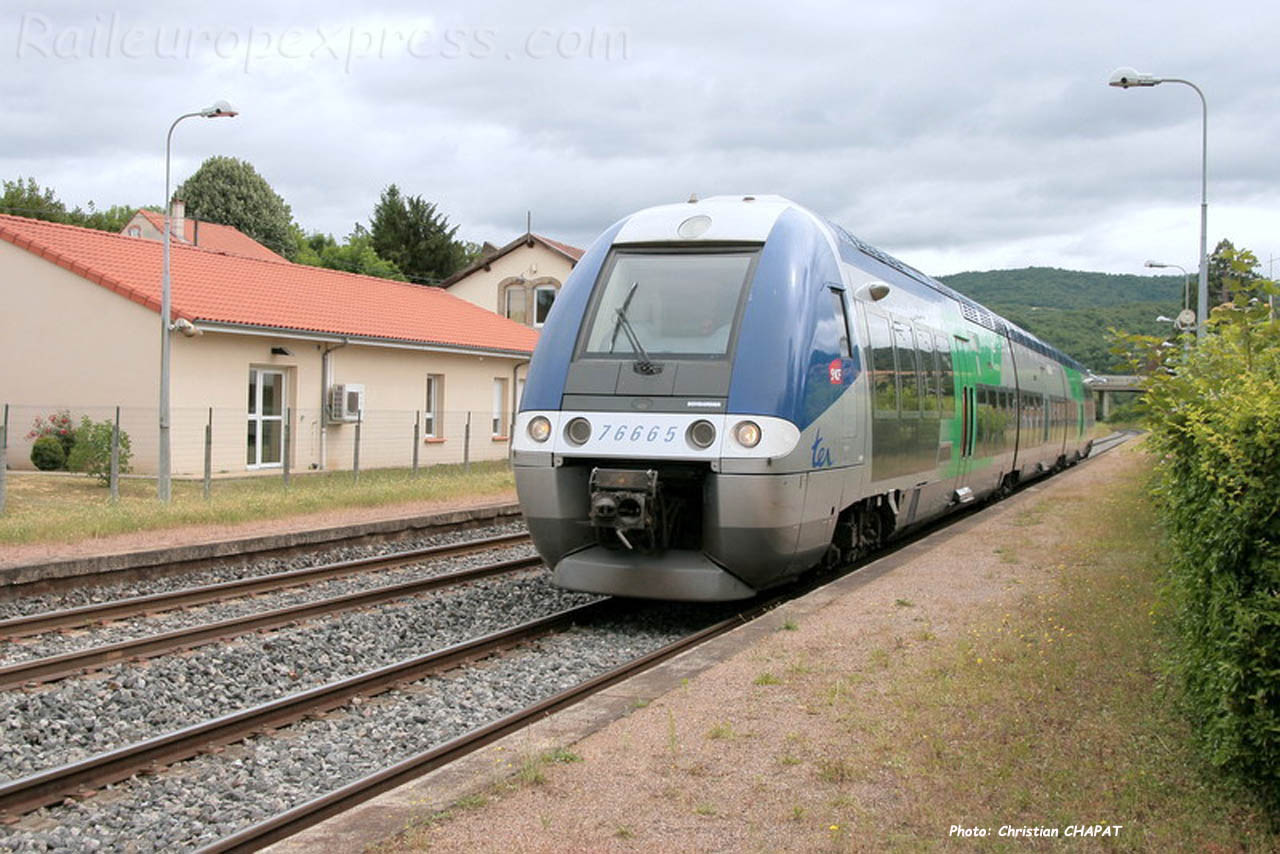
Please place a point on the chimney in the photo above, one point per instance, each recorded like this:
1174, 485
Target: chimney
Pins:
177, 214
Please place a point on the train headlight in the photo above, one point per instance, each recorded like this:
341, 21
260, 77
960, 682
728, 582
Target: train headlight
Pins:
701, 434
747, 433
578, 431
540, 429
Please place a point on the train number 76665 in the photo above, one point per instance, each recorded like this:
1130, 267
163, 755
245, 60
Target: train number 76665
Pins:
640, 433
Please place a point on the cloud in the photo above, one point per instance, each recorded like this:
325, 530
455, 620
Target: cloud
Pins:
953, 135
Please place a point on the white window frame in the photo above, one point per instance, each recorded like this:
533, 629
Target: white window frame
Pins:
498, 425
433, 416
555, 292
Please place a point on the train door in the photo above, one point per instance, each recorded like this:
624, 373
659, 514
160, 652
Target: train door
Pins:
852, 437
966, 371
1064, 410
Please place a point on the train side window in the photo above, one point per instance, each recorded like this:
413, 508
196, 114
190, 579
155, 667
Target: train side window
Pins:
842, 318
883, 370
946, 377
983, 411
908, 372
928, 372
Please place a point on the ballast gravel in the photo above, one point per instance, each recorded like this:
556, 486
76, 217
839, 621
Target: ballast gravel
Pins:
210, 797
58, 643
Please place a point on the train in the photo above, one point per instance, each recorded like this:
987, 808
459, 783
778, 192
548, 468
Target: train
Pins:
729, 392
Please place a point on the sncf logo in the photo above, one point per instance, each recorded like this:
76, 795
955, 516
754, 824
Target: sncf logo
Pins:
835, 372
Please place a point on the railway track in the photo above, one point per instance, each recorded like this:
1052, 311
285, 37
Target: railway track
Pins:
83, 661
97, 771
120, 609
314, 811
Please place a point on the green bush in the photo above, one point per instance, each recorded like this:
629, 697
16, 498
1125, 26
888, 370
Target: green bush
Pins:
91, 453
55, 424
47, 454
1215, 419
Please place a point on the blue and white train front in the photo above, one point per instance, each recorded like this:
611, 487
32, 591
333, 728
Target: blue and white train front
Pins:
668, 439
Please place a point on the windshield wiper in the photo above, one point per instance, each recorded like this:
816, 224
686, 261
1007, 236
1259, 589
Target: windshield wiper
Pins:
644, 364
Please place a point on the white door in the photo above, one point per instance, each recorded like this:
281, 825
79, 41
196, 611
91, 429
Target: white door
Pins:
266, 418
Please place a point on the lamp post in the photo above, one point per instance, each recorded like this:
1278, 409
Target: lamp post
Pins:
1186, 279
1126, 78
163, 479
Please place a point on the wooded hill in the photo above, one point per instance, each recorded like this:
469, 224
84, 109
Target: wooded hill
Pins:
1072, 310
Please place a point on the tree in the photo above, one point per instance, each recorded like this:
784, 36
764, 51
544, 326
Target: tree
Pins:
229, 191
1230, 271
410, 233
354, 256
113, 219
26, 198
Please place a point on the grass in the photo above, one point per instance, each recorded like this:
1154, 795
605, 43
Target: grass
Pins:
1053, 713
721, 730
65, 508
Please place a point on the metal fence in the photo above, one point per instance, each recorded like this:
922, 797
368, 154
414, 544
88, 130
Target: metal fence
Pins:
212, 443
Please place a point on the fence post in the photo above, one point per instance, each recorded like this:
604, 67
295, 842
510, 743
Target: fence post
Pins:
4, 454
466, 445
115, 459
208, 456
417, 437
288, 431
355, 462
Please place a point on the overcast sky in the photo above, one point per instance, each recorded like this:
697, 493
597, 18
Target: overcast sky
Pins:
957, 136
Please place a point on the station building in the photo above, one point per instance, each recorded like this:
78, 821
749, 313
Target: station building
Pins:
284, 361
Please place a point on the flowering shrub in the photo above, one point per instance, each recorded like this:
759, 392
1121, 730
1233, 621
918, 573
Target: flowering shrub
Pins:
57, 425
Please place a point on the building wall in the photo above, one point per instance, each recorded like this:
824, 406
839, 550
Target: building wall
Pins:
68, 343
534, 264
213, 371
144, 226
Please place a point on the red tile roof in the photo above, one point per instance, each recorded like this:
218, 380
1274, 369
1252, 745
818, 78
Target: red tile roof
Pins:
572, 251
215, 237
232, 289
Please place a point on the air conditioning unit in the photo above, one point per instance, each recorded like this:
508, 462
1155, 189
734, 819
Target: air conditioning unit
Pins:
346, 402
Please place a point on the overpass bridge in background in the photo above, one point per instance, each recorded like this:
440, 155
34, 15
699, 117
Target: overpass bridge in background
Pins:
1106, 386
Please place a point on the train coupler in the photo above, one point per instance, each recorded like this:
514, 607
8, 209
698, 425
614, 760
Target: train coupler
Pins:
624, 500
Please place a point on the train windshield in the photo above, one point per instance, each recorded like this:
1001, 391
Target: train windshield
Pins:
673, 304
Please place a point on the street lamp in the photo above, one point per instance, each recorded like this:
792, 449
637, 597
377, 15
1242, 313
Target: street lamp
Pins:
1186, 280
1126, 78
163, 480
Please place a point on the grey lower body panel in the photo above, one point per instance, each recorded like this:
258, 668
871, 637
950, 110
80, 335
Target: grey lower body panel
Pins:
756, 533
682, 575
